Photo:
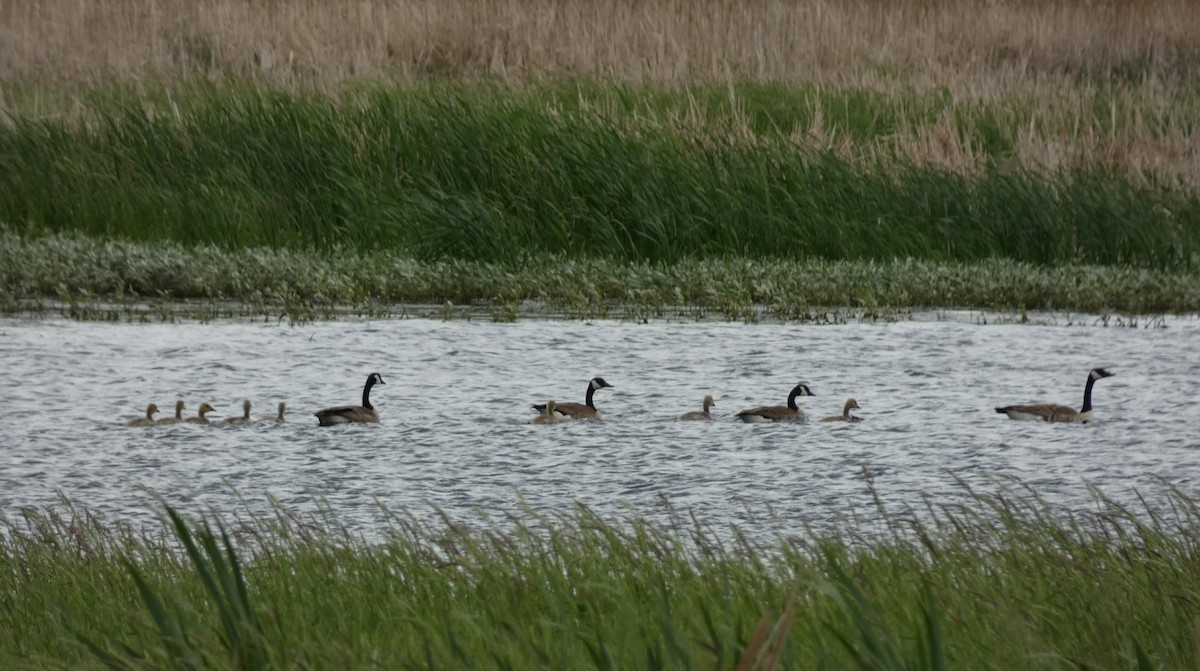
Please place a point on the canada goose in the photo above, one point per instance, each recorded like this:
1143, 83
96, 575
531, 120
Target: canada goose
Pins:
352, 413
700, 414
200, 418
586, 410
244, 419
1050, 412
147, 420
851, 404
178, 415
277, 417
777, 413
548, 416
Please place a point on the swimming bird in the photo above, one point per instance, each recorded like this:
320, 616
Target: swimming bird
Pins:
851, 404
700, 414
277, 417
147, 420
244, 419
1050, 412
178, 415
345, 414
548, 416
200, 418
777, 413
585, 410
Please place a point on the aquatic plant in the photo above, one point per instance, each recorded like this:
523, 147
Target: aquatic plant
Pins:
1001, 582
96, 278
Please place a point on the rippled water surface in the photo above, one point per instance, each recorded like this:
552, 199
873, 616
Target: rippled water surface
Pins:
456, 402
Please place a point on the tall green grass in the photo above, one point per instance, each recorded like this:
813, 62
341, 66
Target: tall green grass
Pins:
1005, 581
486, 173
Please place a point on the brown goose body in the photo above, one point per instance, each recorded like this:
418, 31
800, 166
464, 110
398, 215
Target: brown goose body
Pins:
777, 413
585, 410
200, 412
244, 419
147, 420
700, 415
178, 415
851, 404
1053, 412
351, 414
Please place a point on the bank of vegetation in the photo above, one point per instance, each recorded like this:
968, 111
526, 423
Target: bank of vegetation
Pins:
1006, 581
1058, 139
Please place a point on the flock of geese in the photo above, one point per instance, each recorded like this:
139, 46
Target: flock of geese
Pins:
553, 412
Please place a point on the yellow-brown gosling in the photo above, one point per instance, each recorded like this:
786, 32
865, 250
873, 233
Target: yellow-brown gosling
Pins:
244, 419
1050, 412
700, 414
585, 410
345, 414
851, 404
147, 420
277, 417
200, 418
777, 413
178, 415
548, 416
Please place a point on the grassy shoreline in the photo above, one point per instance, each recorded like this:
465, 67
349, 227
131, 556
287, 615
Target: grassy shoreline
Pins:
1004, 581
488, 173
94, 278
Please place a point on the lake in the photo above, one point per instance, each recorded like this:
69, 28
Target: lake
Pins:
455, 406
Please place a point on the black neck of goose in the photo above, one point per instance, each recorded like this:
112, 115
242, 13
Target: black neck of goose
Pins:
367, 394
591, 390
792, 399
1087, 394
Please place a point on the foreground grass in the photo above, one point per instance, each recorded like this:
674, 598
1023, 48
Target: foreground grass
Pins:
94, 278
492, 174
1004, 582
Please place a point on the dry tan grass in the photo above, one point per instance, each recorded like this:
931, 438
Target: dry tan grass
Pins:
1052, 54
992, 43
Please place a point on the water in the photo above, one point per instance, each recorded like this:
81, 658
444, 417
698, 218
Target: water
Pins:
457, 395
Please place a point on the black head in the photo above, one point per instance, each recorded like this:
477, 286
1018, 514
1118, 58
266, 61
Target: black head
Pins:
802, 390
1098, 373
599, 383
375, 378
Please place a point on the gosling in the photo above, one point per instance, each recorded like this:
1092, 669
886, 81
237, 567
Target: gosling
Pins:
147, 420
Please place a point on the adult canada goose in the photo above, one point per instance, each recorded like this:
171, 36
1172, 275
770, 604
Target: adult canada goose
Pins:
585, 410
277, 417
700, 414
200, 418
548, 415
244, 419
1050, 412
777, 413
851, 404
346, 414
178, 415
147, 420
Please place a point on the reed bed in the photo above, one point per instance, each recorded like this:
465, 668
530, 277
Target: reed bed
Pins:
99, 278
1098, 83
1003, 581
489, 174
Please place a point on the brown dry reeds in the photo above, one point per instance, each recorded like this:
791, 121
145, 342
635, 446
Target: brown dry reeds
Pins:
971, 45
1069, 84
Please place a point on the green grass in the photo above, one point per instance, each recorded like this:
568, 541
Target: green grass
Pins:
491, 174
98, 278
1005, 581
